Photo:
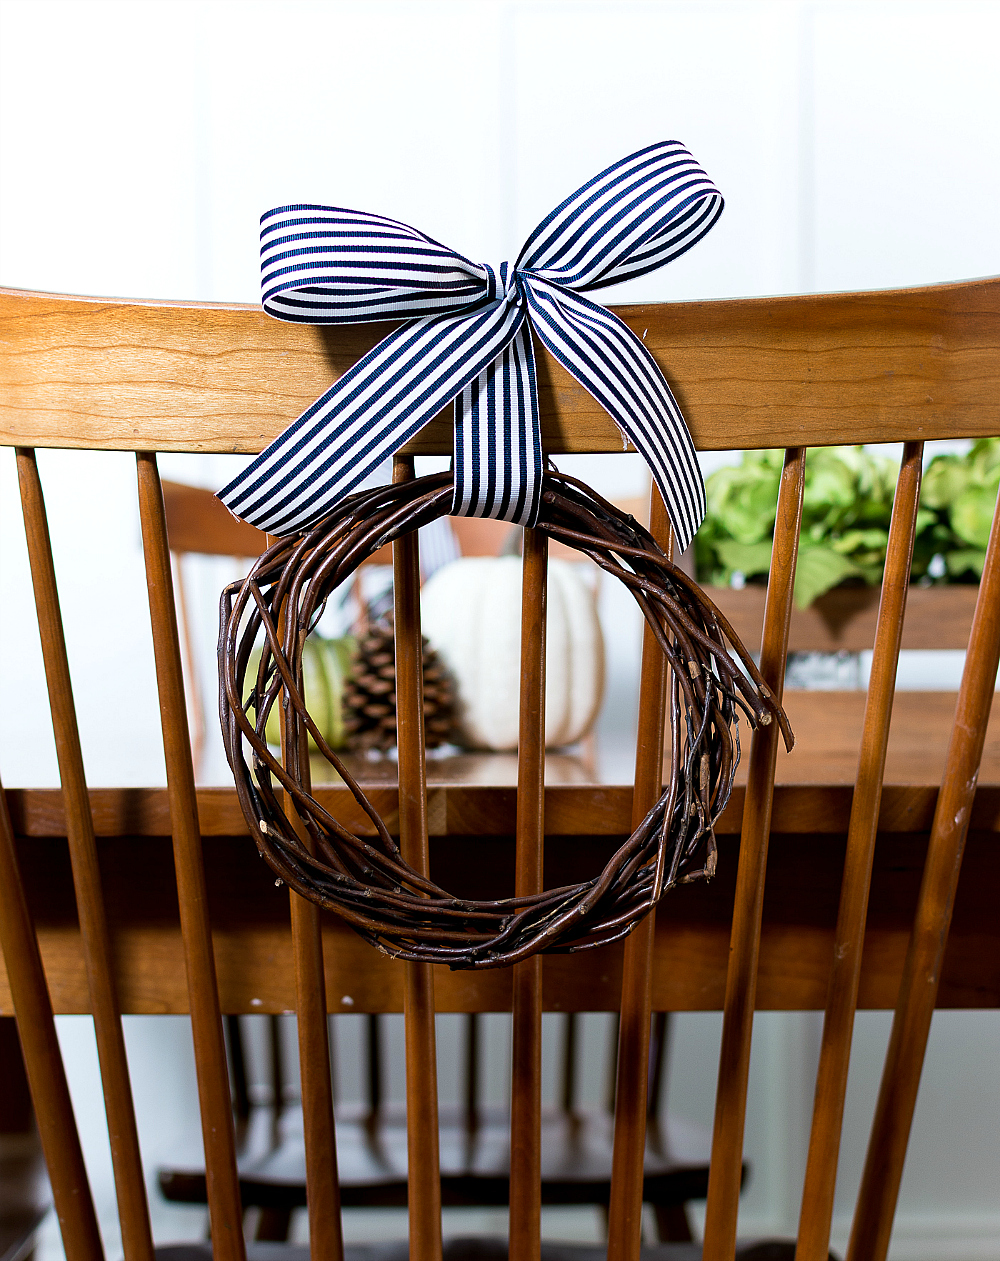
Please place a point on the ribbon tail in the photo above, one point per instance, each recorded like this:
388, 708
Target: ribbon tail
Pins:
366, 416
498, 441
613, 365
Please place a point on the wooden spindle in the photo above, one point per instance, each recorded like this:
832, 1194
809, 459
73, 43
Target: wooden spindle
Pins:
526, 1049
741, 978
423, 1178
632, 1081
883, 1171
322, 1185
569, 1062
374, 1039
849, 937
42, 1060
192, 674
238, 1075
658, 1041
218, 1133
133, 1211
277, 1064
473, 1024
611, 1063
318, 1129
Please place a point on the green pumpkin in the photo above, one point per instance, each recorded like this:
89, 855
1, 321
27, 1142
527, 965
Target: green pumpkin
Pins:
325, 666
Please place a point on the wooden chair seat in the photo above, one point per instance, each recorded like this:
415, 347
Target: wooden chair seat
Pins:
577, 1146
479, 1248
475, 1161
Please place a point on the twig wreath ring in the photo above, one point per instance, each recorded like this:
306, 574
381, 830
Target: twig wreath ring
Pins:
468, 336
365, 880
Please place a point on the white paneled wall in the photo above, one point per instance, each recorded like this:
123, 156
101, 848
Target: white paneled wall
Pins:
857, 147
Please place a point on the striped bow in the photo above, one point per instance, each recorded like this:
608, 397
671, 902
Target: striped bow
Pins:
467, 338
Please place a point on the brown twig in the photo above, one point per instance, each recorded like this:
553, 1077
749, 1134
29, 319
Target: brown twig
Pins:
366, 881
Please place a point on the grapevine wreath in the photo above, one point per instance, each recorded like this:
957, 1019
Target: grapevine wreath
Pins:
366, 880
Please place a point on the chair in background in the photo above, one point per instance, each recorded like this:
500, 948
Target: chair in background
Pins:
198, 524
908, 365
24, 1200
578, 1142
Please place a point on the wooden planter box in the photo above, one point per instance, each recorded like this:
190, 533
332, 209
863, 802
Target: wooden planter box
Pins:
844, 619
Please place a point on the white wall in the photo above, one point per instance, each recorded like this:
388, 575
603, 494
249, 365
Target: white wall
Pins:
856, 145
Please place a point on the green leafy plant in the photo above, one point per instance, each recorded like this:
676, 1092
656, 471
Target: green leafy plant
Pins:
845, 518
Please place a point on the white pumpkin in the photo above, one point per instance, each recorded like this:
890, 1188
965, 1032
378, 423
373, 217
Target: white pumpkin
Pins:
471, 613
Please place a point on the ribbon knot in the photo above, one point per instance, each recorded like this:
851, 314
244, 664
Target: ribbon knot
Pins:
504, 284
467, 337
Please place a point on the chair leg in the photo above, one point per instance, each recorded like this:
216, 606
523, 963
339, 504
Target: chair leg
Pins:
672, 1223
274, 1224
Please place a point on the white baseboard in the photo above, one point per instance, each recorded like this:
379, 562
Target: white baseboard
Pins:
935, 1237
915, 1237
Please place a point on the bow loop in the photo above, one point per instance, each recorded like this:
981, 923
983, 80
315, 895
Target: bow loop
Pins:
327, 265
636, 216
468, 338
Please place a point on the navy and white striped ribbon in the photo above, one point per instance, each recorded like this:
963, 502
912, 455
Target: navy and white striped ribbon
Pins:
467, 338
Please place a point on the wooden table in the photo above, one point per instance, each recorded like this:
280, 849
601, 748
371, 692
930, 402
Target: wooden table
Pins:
471, 813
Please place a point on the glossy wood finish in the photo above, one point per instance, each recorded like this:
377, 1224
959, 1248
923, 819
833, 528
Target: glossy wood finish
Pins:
462, 808
250, 916
828, 728
577, 1146
918, 990
844, 619
424, 1200
632, 1091
526, 1033
198, 522
568, 1078
206, 1021
897, 365
43, 1062
322, 1184
778, 371
319, 1138
838, 1025
741, 977
133, 1211
475, 1166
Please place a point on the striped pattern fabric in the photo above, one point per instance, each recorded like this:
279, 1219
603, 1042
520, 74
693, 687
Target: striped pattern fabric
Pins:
466, 336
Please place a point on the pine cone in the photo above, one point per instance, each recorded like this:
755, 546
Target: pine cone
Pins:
370, 693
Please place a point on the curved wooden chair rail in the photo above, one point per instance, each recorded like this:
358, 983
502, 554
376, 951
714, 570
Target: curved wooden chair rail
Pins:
910, 365
814, 370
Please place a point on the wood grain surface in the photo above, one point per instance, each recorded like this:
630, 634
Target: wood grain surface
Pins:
253, 948
843, 620
943, 875
838, 1022
632, 1069
813, 369
194, 917
472, 826
742, 974
133, 1210
422, 1144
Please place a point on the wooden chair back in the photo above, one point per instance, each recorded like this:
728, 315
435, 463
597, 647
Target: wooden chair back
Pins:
903, 366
